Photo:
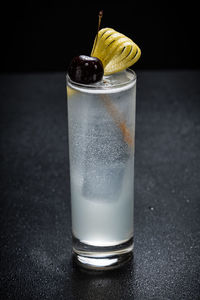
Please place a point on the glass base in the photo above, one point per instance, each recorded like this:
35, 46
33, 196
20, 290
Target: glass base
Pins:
102, 258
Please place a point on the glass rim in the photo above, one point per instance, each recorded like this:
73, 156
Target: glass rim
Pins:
98, 89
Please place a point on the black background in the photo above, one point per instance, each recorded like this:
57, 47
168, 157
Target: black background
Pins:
44, 36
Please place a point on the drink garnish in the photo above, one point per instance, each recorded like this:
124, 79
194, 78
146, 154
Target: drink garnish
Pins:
116, 51
112, 52
85, 69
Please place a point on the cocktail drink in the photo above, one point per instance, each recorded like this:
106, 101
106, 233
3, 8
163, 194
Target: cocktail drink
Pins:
101, 126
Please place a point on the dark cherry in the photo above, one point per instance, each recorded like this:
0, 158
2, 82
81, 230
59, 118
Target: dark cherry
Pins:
85, 69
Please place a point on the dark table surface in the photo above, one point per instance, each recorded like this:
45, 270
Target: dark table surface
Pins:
35, 205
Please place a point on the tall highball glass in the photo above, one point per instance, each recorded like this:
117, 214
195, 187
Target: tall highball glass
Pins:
101, 130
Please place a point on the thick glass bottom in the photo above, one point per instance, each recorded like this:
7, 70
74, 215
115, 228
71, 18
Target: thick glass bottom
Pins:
102, 258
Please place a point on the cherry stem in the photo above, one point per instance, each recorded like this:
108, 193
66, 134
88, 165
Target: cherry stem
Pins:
99, 23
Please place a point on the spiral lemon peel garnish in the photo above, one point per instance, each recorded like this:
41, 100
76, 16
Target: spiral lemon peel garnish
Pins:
115, 50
